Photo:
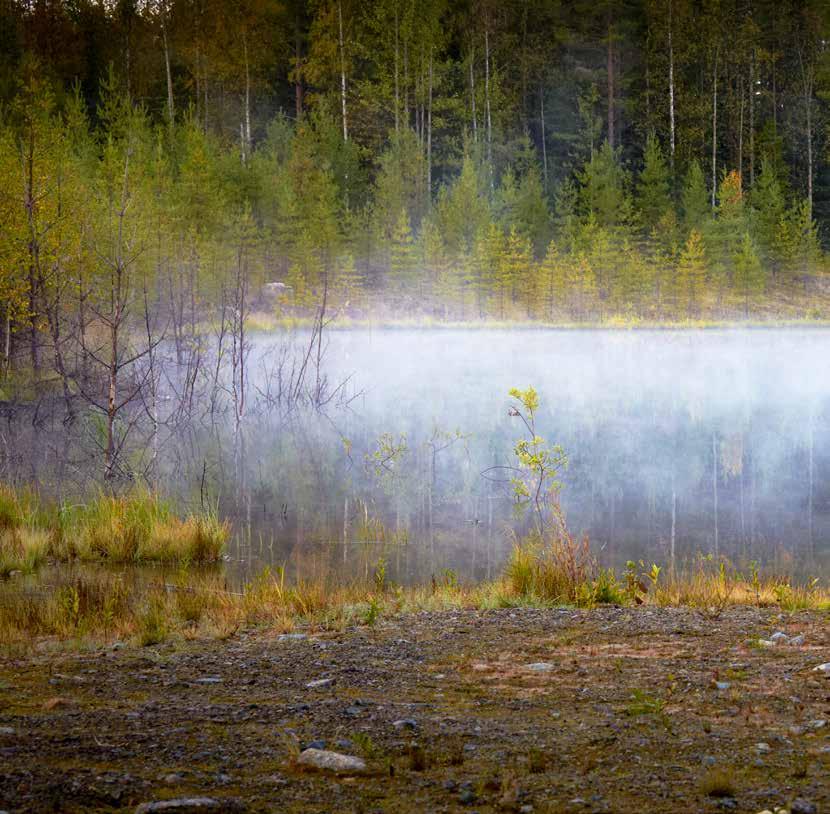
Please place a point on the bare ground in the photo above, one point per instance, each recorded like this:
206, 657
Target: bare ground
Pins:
636, 710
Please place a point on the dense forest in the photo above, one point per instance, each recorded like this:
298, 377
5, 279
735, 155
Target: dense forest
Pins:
165, 162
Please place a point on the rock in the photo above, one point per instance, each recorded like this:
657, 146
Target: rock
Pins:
318, 744
766, 643
353, 711
779, 637
722, 685
6, 730
344, 743
817, 724
291, 637
325, 761
797, 641
186, 805
540, 667
319, 683
467, 797
762, 748
406, 723
823, 668
802, 806
709, 760
450, 785
209, 680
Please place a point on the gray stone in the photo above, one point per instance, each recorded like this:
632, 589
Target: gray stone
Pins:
319, 683
762, 748
209, 680
819, 723
334, 762
6, 730
802, 806
779, 636
467, 797
291, 637
541, 667
823, 668
318, 744
187, 805
797, 641
722, 685
406, 723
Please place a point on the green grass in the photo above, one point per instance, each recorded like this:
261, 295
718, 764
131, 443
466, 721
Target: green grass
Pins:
138, 527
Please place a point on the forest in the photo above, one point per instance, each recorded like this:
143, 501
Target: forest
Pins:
614, 162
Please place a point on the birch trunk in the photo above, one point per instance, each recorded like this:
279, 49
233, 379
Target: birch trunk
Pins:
342, 72
715, 130
671, 89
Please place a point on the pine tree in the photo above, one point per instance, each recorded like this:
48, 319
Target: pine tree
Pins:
653, 190
697, 210
749, 275
691, 274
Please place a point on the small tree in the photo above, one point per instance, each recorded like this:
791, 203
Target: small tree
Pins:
535, 478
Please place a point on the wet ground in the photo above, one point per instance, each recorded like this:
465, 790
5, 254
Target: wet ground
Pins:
606, 710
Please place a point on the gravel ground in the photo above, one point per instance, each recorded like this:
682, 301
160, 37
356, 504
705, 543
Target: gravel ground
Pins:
606, 710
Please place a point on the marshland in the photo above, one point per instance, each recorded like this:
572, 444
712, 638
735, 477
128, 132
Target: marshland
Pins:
414, 407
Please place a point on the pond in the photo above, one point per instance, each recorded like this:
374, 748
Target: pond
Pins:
680, 444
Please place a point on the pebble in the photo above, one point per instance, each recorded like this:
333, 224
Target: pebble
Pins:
722, 685
763, 748
318, 744
6, 730
540, 667
319, 683
779, 636
209, 680
334, 762
823, 668
344, 743
466, 797
819, 723
797, 641
802, 806
709, 760
186, 805
406, 723
291, 637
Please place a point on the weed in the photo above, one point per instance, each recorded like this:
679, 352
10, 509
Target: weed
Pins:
152, 623
718, 782
644, 704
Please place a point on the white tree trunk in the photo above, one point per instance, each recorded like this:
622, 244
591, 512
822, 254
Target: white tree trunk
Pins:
342, 72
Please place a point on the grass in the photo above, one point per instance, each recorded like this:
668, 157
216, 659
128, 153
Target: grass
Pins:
88, 602
138, 527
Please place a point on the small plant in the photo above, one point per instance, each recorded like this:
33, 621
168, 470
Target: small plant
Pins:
372, 612
606, 588
537, 760
152, 623
644, 704
365, 745
718, 782
379, 576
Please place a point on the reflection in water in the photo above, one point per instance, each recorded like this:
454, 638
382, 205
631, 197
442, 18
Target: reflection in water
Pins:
679, 443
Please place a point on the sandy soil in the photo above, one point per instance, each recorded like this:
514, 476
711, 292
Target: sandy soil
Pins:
607, 710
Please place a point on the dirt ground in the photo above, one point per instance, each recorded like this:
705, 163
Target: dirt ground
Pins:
606, 710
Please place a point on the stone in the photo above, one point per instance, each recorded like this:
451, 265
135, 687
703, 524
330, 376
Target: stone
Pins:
467, 797
406, 723
325, 761
763, 748
779, 636
209, 680
766, 643
291, 637
318, 744
823, 668
6, 730
722, 685
802, 806
818, 723
319, 683
797, 641
192, 805
540, 667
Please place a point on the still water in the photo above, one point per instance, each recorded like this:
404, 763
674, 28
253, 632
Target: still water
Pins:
683, 442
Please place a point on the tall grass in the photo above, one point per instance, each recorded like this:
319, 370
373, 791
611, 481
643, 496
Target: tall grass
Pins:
133, 528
